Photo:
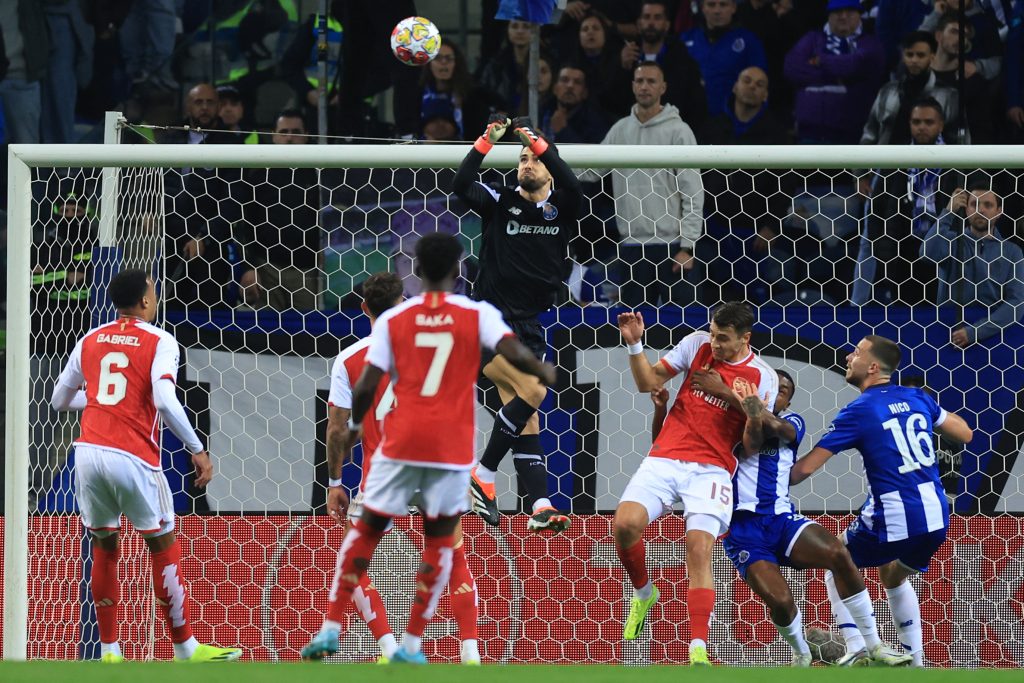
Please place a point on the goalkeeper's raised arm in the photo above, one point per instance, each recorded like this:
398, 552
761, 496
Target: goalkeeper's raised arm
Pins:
524, 262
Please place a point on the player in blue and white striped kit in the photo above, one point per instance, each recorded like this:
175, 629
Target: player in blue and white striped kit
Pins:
904, 519
767, 533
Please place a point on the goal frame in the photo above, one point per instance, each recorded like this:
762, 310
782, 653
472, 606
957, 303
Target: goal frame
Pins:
23, 158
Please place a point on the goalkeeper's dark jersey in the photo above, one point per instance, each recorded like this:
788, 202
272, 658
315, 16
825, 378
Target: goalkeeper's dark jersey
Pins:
524, 252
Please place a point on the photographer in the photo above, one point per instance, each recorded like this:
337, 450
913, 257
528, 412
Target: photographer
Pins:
977, 268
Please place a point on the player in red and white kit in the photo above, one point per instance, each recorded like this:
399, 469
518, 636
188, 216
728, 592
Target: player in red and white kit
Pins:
431, 347
381, 291
693, 458
128, 368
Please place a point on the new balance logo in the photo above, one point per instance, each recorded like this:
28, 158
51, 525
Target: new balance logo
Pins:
907, 623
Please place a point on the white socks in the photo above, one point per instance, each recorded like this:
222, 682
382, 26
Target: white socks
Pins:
470, 651
794, 635
485, 475
542, 503
388, 645
645, 592
111, 648
844, 620
187, 649
863, 612
411, 644
906, 614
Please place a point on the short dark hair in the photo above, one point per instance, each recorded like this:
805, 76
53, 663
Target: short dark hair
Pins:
948, 18
929, 101
576, 66
652, 64
663, 3
229, 93
785, 375
886, 352
437, 255
914, 37
127, 288
290, 113
734, 314
981, 184
381, 291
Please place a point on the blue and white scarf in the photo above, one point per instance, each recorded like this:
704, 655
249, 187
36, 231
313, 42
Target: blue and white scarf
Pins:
841, 46
922, 189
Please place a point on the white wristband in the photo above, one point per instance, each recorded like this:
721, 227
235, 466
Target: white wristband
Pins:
636, 348
333, 483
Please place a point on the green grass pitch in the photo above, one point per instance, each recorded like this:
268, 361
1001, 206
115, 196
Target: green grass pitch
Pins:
166, 672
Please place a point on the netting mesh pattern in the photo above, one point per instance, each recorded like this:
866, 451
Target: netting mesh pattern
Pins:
260, 274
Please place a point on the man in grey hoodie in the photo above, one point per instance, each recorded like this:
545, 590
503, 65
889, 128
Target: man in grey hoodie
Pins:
659, 211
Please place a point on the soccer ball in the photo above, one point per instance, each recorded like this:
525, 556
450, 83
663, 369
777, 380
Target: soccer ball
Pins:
415, 41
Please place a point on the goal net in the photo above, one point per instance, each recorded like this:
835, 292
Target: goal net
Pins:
260, 252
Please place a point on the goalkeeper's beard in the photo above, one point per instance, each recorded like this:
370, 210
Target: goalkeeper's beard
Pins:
531, 184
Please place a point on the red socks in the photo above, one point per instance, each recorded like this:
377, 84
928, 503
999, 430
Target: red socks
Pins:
106, 591
634, 559
701, 601
368, 603
434, 572
170, 591
353, 559
462, 589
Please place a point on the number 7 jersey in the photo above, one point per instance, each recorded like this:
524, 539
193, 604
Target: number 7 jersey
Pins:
119, 363
430, 344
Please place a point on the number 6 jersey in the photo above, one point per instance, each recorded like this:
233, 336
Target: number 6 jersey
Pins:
430, 344
120, 363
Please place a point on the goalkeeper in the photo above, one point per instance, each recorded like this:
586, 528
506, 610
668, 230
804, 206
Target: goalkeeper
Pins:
524, 261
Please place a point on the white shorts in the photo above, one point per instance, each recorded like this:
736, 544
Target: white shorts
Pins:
392, 486
660, 483
109, 483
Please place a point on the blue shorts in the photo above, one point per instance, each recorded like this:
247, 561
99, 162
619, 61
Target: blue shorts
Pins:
867, 550
753, 537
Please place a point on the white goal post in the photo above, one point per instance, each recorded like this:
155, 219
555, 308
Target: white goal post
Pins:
22, 159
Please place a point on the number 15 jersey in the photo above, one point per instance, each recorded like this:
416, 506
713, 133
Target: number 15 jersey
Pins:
119, 364
431, 346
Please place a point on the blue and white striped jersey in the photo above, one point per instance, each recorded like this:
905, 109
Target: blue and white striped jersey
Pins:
892, 427
762, 480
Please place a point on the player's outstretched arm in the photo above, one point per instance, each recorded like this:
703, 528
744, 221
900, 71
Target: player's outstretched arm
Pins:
516, 353
809, 464
465, 184
648, 377
956, 428
338, 453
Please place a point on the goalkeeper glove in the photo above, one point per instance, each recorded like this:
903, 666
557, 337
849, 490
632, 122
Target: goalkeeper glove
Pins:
496, 126
523, 127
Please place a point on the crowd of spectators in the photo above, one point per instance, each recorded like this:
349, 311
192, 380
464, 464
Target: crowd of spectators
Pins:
613, 72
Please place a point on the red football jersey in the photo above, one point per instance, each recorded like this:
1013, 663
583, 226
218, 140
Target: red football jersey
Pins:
347, 367
430, 344
120, 362
698, 427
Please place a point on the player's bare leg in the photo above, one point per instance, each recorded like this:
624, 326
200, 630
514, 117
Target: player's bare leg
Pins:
765, 579
106, 593
906, 611
700, 597
517, 426
630, 521
371, 609
851, 603
462, 588
172, 598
